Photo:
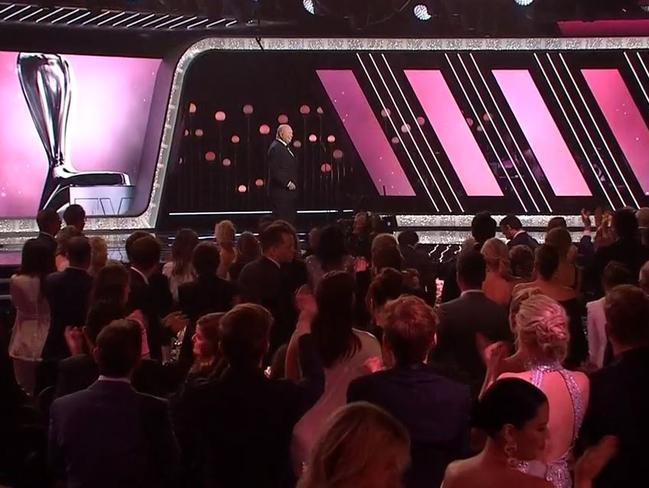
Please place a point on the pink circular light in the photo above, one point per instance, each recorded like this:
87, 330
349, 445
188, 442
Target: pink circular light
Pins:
219, 116
235, 139
405, 128
313, 138
282, 119
248, 109
421, 120
325, 167
305, 110
264, 129
192, 108
469, 121
186, 132
297, 144
319, 111
259, 182
385, 112
395, 140
227, 162
210, 156
487, 117
199, 133
242, 189
331, 139
338, 154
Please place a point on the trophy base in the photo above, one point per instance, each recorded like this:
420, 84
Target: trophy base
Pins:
103, 200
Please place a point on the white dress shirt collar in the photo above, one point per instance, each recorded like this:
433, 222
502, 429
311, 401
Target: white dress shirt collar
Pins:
113, 380
146, 280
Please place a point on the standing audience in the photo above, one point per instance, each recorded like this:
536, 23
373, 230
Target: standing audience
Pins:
224, 236
512, 229
74, 215
330, 255
248, 250
498, 284
179, 270
98, 255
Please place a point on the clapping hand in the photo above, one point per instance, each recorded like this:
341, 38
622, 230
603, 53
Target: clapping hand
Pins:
291, 186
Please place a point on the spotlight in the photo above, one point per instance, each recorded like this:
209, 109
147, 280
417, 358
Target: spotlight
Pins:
422, 13
308, 6
523, 3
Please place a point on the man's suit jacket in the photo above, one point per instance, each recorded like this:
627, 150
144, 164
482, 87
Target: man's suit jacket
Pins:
109, 435
462, 322
523, 239
629, 252
67, 293
417, 259
49, 241
434, 409
619, 406
282, 168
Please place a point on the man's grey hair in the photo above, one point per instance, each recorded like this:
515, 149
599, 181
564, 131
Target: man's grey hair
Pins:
281, 128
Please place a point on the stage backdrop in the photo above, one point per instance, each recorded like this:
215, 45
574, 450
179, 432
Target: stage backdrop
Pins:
108, 117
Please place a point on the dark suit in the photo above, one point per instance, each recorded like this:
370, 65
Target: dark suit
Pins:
461, 321
243, 422
419, 260
49, 240
523, 239
629, 252
264, 283
619, 405
67, 293
109, 435
435, 411
282, 169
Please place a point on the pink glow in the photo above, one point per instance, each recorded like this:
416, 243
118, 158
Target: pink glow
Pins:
623, 117
110, 106
601, 28
454, 134
542, 133
365, 132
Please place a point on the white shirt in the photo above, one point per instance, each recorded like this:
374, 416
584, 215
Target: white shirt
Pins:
471, 291
273, 261
596, 327
114, 380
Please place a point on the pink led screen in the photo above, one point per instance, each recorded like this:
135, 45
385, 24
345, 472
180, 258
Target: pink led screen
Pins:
110, 102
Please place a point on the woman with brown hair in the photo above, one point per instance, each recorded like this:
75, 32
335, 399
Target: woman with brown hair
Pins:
498, 284
180, 270
205, 347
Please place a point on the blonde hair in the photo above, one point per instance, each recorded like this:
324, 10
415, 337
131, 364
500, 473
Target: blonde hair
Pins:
341, 457
224, 232
496, 256
542, 324
98, 254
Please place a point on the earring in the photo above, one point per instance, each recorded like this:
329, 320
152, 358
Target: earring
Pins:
510, 451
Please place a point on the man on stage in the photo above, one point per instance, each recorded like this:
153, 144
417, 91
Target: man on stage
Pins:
282, 169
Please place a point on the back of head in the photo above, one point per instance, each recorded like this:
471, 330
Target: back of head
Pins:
627, 316
244, 332
98, 252
128, 245
206, 259
547, 261
332, 326
509, 401
625, 223
36, 259
225, 232
408, 238
511, 221
387, 257
248, 246
63, 238
560, 239
111, 284
387, 285
382, 242
542, 327
100, 314
331, 247
521, 260
642, 215
557, 223
644, 277
616, 273
145, 253
118, 348
48, 220
182, 248
79, 252
341, 456
75, 215
273, 236
483, 227
496, 256
471, 269
409, 329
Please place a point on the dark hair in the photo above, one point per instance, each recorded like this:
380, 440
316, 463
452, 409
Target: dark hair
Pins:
273, 235
332, 326
627, 315
521, 260
508, 401
408, 238
511, 221
387, 257
547, 261
181, 250
209, 327
560, 239
100, 314
119, 347
128, 245
245, 333
625, 223
206, 259
387, 285
483, 227
331, 248
36, 260
410, 327
110, 284
46, 218
79, 251
616, 273
74, 215
248, 247
145, 253
471, 268
557, 223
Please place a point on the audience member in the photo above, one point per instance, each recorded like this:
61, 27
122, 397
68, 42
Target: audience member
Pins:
468, 325
521, 260
381, 255
361, 446
642, 215
359, 242
313, 239
644, 277
619, 399
110, 435
498, 284
387, 285
62, 240
242, 421
556, 223
294, 272
32, 312
344, 351
224, 236
49, 224
434, 410
331, 254
512, 229
75, 216
415, 258
614, 274
568, 274
248, 250
179, 270
67, 293
98, 255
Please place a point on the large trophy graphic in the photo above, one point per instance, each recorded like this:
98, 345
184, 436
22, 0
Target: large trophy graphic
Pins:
46, 83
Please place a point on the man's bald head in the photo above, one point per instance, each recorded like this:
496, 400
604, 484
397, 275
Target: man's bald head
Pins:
285, 133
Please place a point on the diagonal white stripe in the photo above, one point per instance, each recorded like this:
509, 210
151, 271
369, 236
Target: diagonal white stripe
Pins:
141, 19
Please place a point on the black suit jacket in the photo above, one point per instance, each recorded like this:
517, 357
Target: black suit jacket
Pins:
48, 240
109, 435
67, 293
618, 405
243, 422
629, 252
523, 239
435, 410
282, 168
461, 321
